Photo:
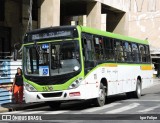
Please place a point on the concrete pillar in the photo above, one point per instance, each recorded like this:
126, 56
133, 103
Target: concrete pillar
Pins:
123, 26
94, 15
50, 13
103, 21
82, 20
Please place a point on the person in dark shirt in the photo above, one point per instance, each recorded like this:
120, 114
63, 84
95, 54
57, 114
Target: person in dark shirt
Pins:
18, 86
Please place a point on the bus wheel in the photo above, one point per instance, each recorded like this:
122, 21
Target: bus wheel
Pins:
100, 101
54, 105
137, 93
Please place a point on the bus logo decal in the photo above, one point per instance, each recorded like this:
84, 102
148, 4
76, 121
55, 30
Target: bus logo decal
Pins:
45, 71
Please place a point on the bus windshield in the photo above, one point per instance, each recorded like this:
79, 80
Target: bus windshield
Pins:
51, 59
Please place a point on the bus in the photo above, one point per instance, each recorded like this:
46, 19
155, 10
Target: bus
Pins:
74, 63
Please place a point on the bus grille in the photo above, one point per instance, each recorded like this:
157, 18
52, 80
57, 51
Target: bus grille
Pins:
59, 94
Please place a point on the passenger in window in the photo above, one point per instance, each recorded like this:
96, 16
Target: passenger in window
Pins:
135, 53
129, 53
119, 52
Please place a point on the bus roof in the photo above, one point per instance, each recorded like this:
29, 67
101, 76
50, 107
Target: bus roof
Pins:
112, 35
92, 31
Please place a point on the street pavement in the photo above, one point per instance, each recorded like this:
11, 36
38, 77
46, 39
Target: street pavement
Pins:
148, 104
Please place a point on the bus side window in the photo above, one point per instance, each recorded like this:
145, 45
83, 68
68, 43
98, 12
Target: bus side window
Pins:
88, 52
130, 57
142, 53
119, 51
127, 55
135, 53
109, 49
148, 59
98, 45
127, 52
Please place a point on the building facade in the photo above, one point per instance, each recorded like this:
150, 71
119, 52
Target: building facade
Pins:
135, 18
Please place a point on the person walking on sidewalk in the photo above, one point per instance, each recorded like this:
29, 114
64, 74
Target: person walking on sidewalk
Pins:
17, 87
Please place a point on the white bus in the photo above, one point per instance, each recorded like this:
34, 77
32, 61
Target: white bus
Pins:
80, 63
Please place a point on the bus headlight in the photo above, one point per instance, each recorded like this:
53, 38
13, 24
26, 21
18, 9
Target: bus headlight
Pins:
29, 87
76, 83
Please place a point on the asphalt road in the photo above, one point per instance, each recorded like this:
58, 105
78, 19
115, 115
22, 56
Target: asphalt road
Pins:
117, 108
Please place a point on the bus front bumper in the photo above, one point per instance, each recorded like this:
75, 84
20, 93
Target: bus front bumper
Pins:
65, 95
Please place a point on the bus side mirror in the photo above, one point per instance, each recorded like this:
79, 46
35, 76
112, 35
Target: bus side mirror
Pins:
15, 54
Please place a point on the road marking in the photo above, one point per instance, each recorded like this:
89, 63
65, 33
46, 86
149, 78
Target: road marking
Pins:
55, 112
150, 109
33, 112
125, 108
13, 112
99, 108
154, 84
142, 100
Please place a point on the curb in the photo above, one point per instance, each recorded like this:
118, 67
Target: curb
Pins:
21, 107
3, 110
157, 79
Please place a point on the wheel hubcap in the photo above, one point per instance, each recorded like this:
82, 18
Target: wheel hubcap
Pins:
139, 89
101, 95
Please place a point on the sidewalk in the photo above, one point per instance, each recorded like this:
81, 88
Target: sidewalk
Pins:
8, 107
156, 79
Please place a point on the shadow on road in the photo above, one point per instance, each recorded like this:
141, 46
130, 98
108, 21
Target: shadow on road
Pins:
81, 105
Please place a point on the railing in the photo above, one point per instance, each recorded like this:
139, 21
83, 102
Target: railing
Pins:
8, 69
5, 55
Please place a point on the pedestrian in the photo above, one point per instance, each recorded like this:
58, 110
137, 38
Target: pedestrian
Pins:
17, 87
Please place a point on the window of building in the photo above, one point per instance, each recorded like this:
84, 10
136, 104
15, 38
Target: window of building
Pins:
35, 10
135, 53
2, 10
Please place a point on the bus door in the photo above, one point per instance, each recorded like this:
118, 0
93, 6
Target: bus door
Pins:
88, 55
126, 70
119, 69
111, 69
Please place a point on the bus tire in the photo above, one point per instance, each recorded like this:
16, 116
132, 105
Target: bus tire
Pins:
54, 105
100, 101
137, 93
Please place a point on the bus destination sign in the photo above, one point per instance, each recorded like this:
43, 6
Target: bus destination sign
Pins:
48, 35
